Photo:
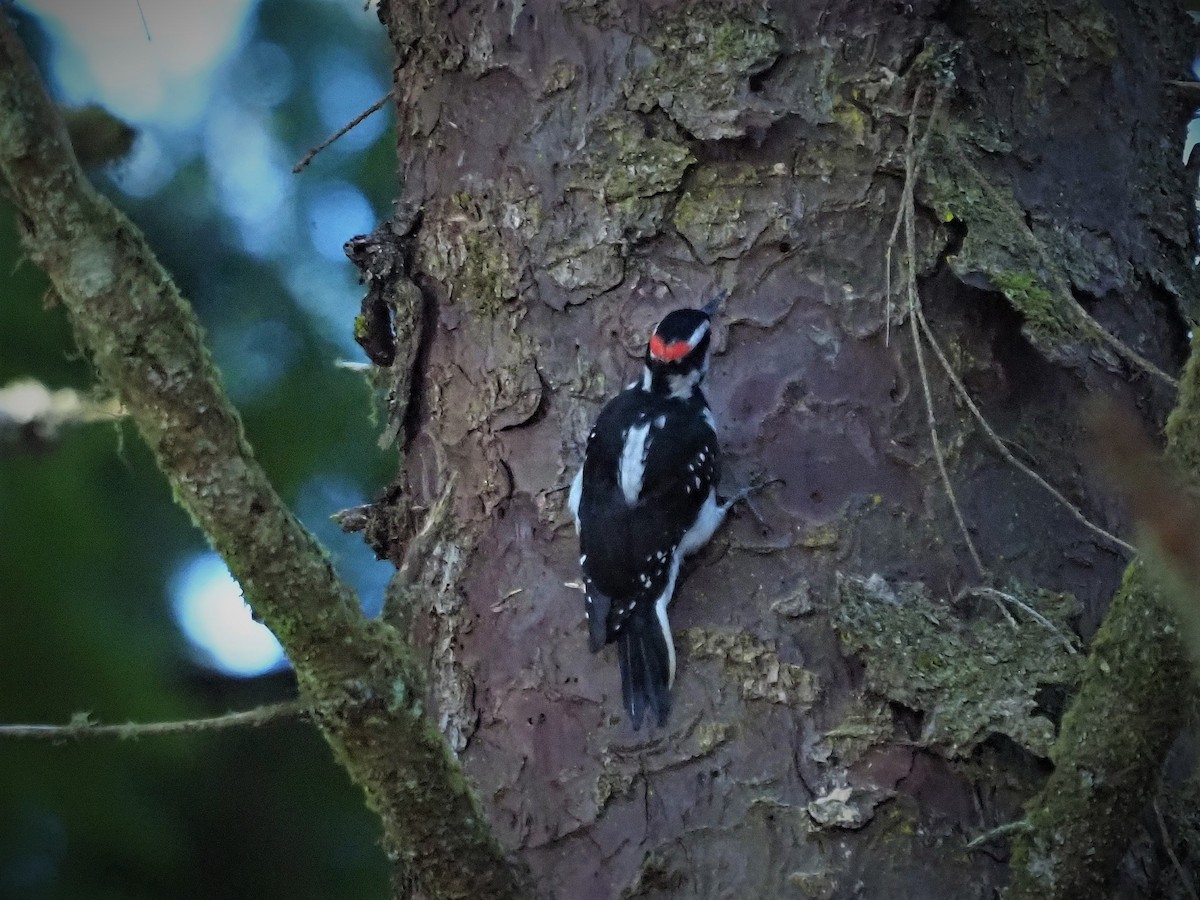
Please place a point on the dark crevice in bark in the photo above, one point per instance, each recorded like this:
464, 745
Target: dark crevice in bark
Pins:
1176, 345
416, 410
908, 721
540, 411
1052, 703
757, 82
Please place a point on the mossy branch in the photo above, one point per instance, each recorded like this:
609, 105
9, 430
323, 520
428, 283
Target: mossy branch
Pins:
357, 675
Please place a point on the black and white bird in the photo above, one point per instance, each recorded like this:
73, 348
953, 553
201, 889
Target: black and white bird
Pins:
644, 499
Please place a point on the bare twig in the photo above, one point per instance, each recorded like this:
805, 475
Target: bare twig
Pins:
145, 24
1020, 826
999, 444
357, 120
931, 419
1121, 348
978, 589
905, 195
82, 726
914, 301
913, 154
1002, 597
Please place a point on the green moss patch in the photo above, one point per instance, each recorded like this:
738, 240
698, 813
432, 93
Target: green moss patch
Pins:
618, 193
1000, 248
472, 244
727, 208
971, 677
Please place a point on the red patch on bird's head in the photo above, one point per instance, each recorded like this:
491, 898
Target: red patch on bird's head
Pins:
668, 352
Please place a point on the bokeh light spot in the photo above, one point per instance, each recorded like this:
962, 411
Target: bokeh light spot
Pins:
337, 211
209, 607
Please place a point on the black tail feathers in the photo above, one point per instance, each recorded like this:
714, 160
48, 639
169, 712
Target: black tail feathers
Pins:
645, 666
598, 606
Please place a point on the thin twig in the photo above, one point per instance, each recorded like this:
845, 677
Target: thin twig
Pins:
1121, 347
82, 726
910, 239
914, 156
1020, 826
1008, 617
1004, 597
912, 161
357, 120
998, 442
909, 169
932, 422
145, 24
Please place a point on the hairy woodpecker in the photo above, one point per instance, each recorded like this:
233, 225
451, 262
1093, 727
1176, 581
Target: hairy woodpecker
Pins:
644, 499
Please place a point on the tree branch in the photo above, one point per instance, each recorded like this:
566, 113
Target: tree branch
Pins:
353, 123
358, 676
82, 726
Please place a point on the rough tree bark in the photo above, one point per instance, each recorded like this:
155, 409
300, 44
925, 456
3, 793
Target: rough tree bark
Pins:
847, 711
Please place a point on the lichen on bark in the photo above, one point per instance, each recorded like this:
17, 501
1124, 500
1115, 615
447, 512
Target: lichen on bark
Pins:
701, 70
971, 677
726, 209
618, 192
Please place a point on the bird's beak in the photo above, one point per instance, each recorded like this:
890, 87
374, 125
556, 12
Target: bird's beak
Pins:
714, 304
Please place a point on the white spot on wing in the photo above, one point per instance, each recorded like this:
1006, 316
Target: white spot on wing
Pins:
708, 417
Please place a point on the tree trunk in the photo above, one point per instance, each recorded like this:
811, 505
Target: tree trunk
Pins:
849, 708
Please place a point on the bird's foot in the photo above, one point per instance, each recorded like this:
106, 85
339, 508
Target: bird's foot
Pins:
756, 485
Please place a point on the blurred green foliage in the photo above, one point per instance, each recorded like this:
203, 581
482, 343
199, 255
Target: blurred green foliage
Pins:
89, 538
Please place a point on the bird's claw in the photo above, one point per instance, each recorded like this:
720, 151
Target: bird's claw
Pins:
743, 496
